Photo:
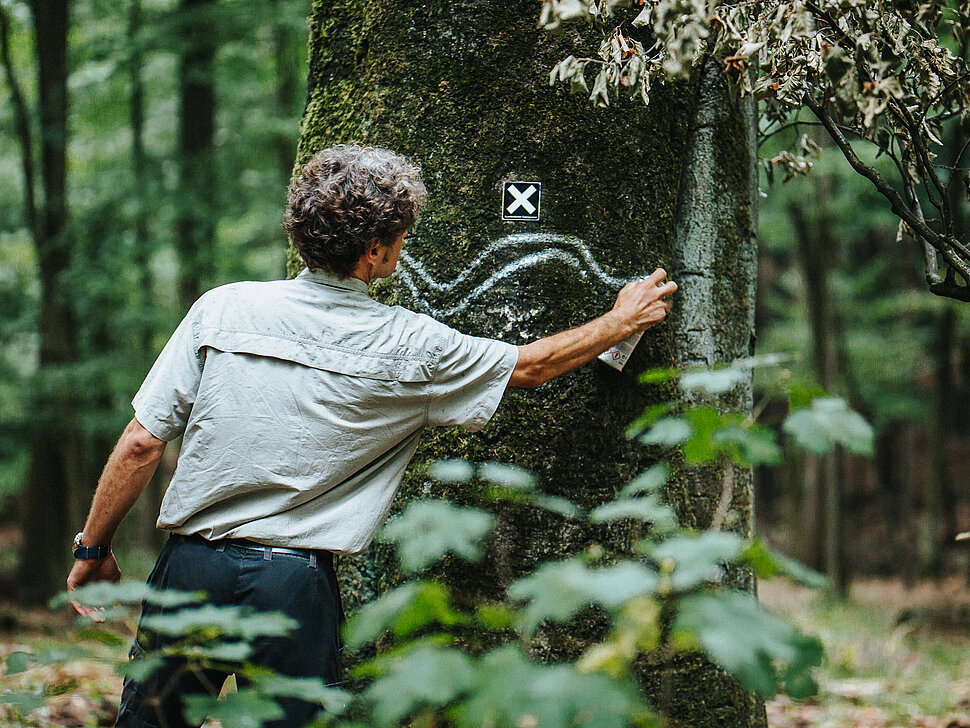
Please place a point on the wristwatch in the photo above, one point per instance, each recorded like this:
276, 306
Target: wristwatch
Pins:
89, 552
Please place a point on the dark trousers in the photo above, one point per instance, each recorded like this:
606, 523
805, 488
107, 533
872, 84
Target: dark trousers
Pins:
232, 573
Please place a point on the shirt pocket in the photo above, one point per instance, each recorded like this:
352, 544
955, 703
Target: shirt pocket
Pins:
384, 366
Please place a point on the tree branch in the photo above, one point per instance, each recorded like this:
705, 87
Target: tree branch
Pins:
896, 202
915, 221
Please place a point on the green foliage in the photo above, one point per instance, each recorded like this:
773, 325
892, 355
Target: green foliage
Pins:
120, 254
889, 73
207, 622
829, 422
667, 595
511, 690
690, 560
402, 611
558, 590
126, 592
426, 677
245, 709
429, 529
740, 636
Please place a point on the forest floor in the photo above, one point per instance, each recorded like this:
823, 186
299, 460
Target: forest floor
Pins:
895, 657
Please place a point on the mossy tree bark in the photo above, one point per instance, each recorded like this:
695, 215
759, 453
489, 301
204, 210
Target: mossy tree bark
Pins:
461, 87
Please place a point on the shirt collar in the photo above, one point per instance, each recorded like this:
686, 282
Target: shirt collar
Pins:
329, 279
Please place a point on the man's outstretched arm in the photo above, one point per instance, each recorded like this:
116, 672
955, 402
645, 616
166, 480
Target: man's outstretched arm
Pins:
130, 466
639, 305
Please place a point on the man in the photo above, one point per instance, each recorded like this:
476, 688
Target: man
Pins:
299, 404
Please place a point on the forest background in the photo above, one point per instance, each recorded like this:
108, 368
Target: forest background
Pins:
836, 289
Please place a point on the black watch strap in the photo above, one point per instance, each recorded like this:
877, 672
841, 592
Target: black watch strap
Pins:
89, 552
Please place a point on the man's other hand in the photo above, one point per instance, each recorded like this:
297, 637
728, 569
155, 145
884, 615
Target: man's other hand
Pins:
87, 571
642, 304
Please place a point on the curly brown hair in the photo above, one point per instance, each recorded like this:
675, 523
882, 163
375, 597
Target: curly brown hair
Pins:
346, 197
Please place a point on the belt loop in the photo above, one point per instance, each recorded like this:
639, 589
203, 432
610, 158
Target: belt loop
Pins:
267, 553
313, 559
222, 546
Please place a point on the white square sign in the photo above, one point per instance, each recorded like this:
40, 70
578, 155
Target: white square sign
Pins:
521, 200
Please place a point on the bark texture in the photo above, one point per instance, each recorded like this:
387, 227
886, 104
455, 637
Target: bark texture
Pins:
461, 87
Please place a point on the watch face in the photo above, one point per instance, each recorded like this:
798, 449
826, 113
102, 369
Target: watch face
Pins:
77, 539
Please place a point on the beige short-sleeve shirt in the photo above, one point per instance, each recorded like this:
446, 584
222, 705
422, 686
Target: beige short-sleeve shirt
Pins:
300, 404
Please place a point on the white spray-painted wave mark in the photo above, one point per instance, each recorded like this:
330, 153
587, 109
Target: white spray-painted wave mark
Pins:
526, 261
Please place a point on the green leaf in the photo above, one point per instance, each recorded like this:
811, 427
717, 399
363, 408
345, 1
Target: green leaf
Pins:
735, 632
749, 444
651, 415
697, 558
427, 676
23, 701
243, 709
558, 590
555, 504
767, 562
663, 374
704, 423
495, 616
312, 690
802, 396
140, 669
245, 623
512, 691
651, 479
647, 508
17, 662
222, 651
402, 611
828, 422
452, 471
428, 529
56, 654
713, 381
668, 432
105, 637
103, 593
510, 476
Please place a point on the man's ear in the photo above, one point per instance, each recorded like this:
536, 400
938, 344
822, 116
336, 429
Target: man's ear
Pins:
372, 251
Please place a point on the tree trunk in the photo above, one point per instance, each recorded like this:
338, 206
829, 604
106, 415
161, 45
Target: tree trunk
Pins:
816, 251
462, 88
195, 227
149, 537
935, 521
51, 509
287, 94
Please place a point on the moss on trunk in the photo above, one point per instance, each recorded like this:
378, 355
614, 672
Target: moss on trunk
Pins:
461, 87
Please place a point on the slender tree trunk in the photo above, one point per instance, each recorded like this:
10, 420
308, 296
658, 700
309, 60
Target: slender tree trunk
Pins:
51, 510
910, 475
462, 87
287, 93
934, 520
816, 252
145, 189
195, 227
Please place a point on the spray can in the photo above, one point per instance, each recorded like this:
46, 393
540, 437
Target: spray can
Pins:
616, 356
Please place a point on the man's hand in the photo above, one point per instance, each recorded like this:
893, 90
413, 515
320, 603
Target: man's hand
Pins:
130, 467
86, 571
642, 304
639, 305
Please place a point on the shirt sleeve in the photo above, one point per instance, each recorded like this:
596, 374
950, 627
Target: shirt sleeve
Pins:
470, 379
164, 401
